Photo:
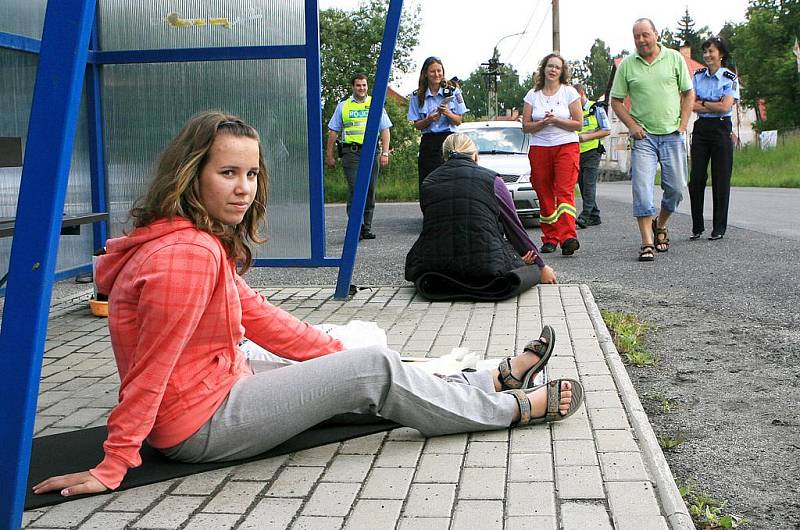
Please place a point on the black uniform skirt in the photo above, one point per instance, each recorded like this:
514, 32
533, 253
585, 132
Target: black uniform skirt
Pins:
430, 153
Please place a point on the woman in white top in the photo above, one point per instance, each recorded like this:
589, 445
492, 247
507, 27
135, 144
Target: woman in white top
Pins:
553, 117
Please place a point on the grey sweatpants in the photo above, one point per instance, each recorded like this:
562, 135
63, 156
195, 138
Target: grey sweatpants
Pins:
280, 401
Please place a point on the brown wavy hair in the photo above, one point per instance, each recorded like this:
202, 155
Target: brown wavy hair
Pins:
422, 85
538, 82
175, 189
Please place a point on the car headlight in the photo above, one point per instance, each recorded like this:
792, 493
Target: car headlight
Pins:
525, 177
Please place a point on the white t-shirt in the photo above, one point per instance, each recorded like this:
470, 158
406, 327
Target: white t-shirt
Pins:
557, 104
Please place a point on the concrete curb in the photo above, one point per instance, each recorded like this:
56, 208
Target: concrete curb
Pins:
667, 491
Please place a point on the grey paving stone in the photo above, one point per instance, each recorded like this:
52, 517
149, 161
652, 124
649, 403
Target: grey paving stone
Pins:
388, 483
609, 419
202, 483
271, 514
65, 407
486, 454
534, 439
170, 512
348, 468
623, 467
69, 514
138, 499
108, 521
204, 521
593, 383
486, 515
453, 443
80, 418
593, 368
576, 427
405, 434
295, 481
603, 399
579, 482
374, 514
615, 440
442, 468
424, 523
316, 456
574, 453
366, 445
331, 499
318, 523
234, 497
531, 467
580, 516
430, 500
399, 454
532, 522
643, 522
500, 435
531, 498
632, 498
30, 516
482, 483
260, 470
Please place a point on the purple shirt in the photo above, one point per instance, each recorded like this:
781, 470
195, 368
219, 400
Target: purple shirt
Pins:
512, 226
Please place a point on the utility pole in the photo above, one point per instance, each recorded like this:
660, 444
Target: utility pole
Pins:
490, 76
556, 30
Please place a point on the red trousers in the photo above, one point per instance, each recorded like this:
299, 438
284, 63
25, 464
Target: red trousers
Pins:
554, 173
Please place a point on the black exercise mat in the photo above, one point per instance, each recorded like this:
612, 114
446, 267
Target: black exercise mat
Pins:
437, 287
75, 451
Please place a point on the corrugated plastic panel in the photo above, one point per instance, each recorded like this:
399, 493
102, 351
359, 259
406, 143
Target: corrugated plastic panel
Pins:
22, 17
155, 24
146, 104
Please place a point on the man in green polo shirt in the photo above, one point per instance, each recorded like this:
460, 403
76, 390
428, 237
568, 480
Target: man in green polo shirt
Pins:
657, 81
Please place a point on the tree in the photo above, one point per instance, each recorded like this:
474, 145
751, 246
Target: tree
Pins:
509, 91
350, 42
578, 72
598, 66
668, 39
686, 35
765, 60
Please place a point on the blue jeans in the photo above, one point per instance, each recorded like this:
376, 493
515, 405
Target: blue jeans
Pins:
670, 151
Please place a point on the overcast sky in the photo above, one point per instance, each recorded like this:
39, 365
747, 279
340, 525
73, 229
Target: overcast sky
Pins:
463, 33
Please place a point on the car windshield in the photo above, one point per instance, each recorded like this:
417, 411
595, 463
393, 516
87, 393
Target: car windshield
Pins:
498, 139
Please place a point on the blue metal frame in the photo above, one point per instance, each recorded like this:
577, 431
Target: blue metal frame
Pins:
48, 152
97, 163
19, 43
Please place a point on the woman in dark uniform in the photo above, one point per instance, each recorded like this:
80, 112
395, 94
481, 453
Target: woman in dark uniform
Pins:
716, 89
436, 108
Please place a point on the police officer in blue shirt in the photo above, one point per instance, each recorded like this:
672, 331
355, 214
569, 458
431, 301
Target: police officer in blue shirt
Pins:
716, 90
436, 108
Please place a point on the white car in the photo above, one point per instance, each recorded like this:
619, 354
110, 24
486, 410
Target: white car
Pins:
503, 148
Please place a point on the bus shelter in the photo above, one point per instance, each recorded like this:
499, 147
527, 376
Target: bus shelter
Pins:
92, 91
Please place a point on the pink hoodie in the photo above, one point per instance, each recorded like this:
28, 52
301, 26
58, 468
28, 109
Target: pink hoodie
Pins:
177, 311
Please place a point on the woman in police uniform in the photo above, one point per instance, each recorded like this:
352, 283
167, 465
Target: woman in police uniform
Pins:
716, 89
436, 108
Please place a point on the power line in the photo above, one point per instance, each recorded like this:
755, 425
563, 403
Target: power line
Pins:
536, 35
535, 9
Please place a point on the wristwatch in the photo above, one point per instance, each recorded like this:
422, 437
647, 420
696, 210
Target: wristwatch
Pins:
385, 153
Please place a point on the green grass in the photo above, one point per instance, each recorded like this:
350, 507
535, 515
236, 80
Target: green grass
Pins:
772, 168
628, 333
669, 442
709, 513
396, 183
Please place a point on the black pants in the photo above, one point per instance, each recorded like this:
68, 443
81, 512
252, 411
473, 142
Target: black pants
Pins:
430, 153
711, 140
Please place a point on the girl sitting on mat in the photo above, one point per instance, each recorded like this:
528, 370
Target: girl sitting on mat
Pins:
178, 309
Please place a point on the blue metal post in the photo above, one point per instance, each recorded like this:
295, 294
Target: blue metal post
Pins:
367, 158
51, 132
316, 188
97, 164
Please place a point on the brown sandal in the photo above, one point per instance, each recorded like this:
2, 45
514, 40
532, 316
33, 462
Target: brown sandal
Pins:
661, 237
552, 412
646, 253
543, 347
